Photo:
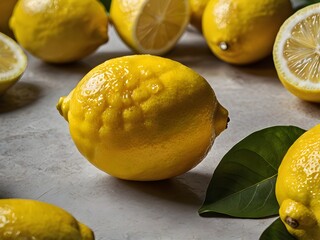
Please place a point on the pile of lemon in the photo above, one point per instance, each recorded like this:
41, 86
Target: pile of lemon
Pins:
145, 117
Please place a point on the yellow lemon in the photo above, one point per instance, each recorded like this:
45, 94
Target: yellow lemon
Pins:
30, 219
143, 117
13, 62
243, 31
150, 26
196, 10
296, 53
298, 186
6, 9
60, 31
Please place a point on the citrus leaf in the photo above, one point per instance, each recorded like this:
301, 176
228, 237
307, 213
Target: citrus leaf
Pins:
106, 4
243, 184
276, 231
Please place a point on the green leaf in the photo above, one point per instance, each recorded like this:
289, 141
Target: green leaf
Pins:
276, 231
106, 4
243, 184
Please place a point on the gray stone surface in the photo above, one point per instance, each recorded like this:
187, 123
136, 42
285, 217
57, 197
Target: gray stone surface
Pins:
38, 159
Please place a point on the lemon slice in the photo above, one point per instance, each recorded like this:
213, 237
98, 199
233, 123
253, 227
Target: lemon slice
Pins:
150, 26
13, 62
296, 53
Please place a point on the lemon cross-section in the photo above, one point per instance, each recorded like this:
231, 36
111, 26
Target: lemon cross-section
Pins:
13, 62
296, 53
143, 117
150, 26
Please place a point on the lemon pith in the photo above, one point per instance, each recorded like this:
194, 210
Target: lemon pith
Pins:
60, 31
297, 186
13, 62
296, 53
150, 26
31, 219
143, 117
239, 31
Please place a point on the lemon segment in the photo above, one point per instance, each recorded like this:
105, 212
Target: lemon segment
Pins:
13, 62
31, 219
143, 117
150, 26
296, 53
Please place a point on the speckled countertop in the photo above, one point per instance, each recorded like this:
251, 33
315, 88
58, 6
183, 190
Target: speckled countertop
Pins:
38, 159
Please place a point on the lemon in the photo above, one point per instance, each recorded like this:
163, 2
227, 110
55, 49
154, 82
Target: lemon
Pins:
298, 186
13, 62
6, 8
243, 31
296, 53
150, 26
30, 219
196, 10
143, 117
60, 31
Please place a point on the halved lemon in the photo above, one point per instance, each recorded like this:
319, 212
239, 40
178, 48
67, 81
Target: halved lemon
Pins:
150, 26
13, 62
296, 53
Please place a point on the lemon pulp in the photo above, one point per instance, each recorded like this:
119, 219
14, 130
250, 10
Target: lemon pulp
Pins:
301, 51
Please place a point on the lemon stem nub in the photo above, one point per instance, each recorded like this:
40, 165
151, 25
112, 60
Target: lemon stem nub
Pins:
223, 46
292, 222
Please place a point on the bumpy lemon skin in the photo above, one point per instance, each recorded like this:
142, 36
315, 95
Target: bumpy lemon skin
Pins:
298, 186
31, 219
60, 31
243, 31
143, 117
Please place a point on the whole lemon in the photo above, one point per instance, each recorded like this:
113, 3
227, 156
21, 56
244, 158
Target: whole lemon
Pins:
60, 31
243, 31
6, 9
30, 219
143, 117
298, 186
196, 10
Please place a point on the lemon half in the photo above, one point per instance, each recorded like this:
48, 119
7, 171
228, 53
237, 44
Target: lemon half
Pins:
150, 26
13, 62
296, 53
